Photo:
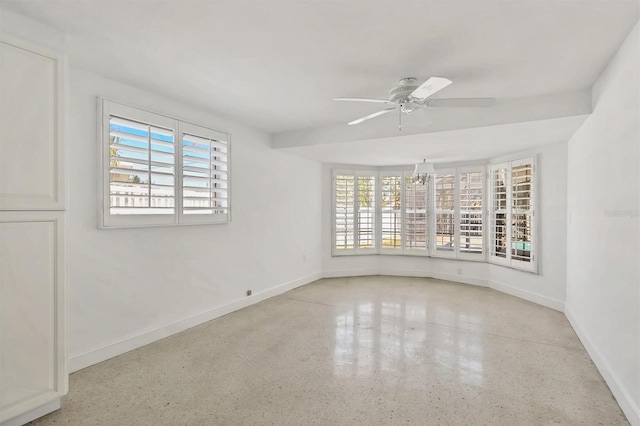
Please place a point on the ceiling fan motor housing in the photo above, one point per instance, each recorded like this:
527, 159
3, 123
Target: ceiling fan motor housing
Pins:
401, 94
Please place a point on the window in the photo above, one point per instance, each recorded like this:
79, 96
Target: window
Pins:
161, 171
205, 174
141, 168
389, 213
415, 208
471, 205
442, 218
366, 212
391, 206
498, 185
344, 196
354, 195
458, 213
444, 212
512, 214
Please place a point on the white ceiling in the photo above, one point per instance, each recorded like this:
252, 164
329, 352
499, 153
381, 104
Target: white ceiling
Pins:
277, 65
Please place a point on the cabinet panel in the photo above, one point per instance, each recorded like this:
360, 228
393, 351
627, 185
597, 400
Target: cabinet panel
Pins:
31, 129
32, 356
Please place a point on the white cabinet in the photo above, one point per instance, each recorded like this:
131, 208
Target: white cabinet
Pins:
33, 373
31, 129
32, 361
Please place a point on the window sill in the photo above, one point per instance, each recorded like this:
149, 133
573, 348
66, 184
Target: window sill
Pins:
480, 258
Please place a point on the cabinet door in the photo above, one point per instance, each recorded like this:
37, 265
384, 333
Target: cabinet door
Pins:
31, 128
32, 349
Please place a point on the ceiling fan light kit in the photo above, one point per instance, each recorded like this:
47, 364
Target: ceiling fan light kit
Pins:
409, 96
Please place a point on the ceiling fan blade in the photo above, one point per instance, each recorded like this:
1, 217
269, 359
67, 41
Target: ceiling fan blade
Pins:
431, 86
461, 103
370, 116
382, 101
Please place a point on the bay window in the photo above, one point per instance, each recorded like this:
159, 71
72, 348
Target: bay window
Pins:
389, 212
481, 213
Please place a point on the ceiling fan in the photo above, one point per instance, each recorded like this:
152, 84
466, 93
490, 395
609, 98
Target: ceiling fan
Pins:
409, 96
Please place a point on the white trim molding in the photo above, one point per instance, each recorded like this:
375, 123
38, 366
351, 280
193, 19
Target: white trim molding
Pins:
31, 415
626, 402
349, 273
525, 295
436, 275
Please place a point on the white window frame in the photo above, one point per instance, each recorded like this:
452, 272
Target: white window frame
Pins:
491, 170
450, 254
531, 266
459, 253
388, 250
192, 219
456, 253
107, 108
356, 250
428, 212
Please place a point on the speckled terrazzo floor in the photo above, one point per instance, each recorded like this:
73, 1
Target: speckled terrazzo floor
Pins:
366, 350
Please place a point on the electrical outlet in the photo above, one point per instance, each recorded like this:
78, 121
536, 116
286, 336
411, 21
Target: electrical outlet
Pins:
248, 292
459, 271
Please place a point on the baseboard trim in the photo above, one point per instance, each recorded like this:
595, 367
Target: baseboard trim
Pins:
436, 275
142, 338
627, 404
501, 287
31, 415
349, 273
531, 297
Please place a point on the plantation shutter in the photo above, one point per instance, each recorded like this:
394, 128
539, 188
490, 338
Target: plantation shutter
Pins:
471, 216
522, 213
139, 165
366, 191
512, 235
391, 206
205, 174
499, 234
157, 170
415, 207
344, 199
444, 212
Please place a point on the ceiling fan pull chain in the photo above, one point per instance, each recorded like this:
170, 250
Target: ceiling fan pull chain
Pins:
400, 118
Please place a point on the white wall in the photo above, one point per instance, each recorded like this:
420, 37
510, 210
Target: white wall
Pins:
125, 281
127, 287
603, 251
